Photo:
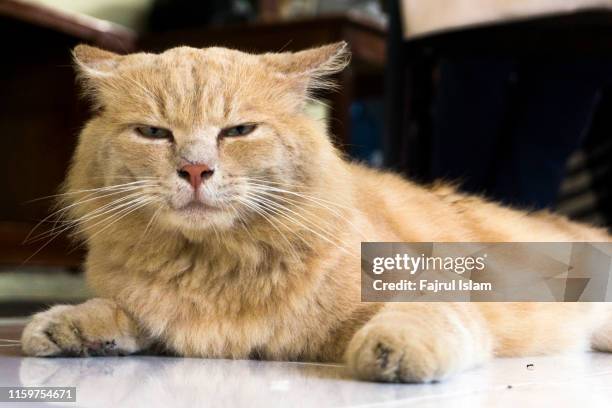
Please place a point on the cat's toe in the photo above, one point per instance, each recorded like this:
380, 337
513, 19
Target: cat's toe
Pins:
36, 342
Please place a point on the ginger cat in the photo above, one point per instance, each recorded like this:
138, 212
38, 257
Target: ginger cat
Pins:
221, 222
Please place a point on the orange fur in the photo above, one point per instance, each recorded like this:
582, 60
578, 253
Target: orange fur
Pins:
273, 269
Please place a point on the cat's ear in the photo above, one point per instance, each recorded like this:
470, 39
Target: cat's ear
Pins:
310, 69
92, 62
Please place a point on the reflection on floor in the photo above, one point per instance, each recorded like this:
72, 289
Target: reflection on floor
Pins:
577, 380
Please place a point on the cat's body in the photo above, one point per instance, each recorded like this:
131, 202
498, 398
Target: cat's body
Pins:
274, 274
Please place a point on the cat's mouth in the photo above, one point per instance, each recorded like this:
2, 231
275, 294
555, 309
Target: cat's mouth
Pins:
196, 208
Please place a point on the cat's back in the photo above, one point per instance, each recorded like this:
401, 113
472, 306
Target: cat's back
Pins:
401, 209
407, 211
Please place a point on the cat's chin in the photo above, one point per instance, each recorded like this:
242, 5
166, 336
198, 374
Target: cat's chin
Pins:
198, 217
197, 209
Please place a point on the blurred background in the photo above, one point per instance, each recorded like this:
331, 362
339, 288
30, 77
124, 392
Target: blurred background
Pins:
508, 98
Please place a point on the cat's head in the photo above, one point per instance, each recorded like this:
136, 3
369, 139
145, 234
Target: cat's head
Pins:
200, 137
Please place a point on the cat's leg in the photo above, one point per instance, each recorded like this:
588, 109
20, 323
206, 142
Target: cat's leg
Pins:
97, 327
419, 342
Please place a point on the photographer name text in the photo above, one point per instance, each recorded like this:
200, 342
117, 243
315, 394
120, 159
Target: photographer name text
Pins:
419, 264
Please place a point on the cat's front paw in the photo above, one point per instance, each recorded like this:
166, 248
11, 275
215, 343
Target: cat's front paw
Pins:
392, 353
83, 330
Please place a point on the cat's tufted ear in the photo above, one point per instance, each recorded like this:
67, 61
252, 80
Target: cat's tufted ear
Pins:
92, 62
310, 69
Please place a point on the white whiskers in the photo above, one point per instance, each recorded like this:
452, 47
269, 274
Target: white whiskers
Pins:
132, 196
10, 343
294, 211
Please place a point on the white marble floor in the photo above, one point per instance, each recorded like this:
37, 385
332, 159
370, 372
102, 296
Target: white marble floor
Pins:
570, 381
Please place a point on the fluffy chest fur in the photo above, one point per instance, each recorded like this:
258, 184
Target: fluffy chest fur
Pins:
203, 300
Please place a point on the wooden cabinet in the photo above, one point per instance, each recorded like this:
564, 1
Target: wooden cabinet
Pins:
40, 117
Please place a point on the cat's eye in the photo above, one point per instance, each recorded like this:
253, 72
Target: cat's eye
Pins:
153, 132
240, 130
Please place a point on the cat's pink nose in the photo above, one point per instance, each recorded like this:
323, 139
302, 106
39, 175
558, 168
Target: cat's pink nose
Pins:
195, 173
